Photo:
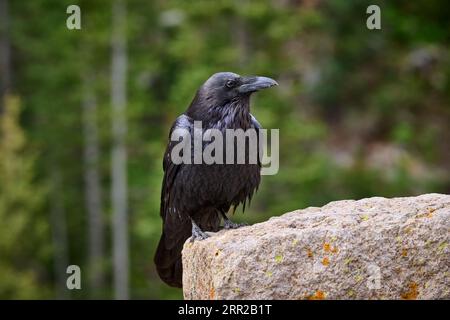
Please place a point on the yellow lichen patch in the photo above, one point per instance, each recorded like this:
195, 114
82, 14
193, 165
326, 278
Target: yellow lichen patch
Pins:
212, 293
347, 261
325, 261
351, 293
442, 246
278, 258
404, 252
318, 295
412, 292
428, 214
358, 278
294, 242
236, 290
309, 253
269, 273
364, 217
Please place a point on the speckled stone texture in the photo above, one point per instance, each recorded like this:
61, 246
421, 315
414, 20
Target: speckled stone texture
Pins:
374, 248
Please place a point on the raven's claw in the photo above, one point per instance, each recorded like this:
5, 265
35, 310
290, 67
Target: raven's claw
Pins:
197, 233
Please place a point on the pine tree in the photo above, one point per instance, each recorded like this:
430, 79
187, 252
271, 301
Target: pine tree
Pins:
20, 198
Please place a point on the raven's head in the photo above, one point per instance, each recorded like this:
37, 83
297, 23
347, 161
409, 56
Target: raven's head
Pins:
226, 86
226, 90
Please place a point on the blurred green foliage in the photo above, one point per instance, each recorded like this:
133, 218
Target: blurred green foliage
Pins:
361, 113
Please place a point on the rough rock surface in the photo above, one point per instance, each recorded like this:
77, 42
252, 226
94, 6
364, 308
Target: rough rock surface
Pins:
373, 248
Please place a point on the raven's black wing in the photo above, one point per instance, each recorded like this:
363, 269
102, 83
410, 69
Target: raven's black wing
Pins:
176, 224
171, 169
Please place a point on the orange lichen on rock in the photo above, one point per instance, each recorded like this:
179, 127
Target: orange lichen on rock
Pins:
412, 292
212, 293
328, 248
309, 253
405, 252
318, 295
325, 261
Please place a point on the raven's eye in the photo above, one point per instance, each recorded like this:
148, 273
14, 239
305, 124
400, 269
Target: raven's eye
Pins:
230, 83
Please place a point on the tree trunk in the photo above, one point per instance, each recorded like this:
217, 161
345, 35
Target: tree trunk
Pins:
5, 56
241, 40
59, 234
119, 156
93, 195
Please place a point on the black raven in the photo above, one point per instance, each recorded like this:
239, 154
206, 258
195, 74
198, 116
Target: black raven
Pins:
195, 197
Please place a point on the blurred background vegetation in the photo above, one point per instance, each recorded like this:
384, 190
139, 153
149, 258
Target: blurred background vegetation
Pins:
361, 113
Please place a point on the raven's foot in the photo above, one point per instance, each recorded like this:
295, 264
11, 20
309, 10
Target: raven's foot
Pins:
228, 224
197, 233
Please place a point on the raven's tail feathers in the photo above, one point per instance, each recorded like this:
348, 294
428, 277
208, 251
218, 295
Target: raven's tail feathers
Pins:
176, 231
168, 257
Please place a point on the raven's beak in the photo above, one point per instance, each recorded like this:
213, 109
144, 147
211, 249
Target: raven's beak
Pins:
252, 84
